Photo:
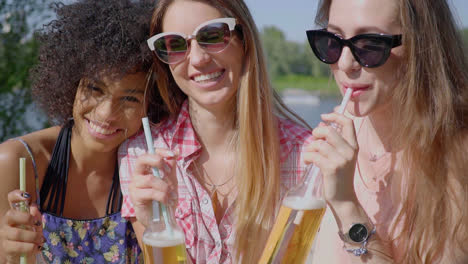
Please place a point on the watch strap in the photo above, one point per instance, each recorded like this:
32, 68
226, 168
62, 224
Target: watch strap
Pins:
362, 250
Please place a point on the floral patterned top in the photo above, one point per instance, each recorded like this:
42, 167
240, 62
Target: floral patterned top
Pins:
110, 239
105, 240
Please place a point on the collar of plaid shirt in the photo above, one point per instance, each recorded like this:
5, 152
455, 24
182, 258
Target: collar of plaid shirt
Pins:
206, 240
180, 132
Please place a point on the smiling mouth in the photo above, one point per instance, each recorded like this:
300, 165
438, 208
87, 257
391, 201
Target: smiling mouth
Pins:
203, 78
101, 130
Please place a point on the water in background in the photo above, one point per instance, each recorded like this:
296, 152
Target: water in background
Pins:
309, 106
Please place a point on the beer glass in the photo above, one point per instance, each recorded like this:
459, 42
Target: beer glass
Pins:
164, 240
297, 223
300, 215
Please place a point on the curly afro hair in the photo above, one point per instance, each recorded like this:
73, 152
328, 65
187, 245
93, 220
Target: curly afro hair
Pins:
89, 37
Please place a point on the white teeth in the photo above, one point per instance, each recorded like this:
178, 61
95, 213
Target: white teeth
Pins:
205, 77
101, 130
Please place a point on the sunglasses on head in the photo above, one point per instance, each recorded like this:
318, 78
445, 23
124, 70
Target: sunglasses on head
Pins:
213, 36
369, 50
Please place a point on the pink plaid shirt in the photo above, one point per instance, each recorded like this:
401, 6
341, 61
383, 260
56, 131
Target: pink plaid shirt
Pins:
206, 241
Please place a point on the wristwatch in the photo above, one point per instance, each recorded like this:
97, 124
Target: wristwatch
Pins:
358, 234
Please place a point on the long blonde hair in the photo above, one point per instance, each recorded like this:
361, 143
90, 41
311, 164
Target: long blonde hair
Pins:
257, 142
430, 109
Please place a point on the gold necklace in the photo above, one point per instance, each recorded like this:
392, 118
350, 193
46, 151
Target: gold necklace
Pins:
213, 187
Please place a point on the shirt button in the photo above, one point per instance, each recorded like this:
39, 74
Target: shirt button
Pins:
205, 201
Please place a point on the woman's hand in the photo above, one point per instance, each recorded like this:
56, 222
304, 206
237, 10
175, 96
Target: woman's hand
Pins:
145, 187
335, 154
20, 232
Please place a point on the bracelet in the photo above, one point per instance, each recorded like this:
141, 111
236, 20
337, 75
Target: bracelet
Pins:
362, 250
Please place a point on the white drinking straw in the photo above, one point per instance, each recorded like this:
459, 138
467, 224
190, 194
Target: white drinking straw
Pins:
315, 169
150, 145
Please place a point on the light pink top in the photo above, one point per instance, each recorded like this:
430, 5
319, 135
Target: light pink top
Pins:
378, 195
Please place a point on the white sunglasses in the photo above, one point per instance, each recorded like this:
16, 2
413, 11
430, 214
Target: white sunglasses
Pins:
213, 36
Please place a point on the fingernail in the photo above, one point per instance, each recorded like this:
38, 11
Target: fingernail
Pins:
26, 195
170, 154
16, 205
37, 223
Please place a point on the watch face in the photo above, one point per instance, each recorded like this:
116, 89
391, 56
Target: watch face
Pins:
358, 233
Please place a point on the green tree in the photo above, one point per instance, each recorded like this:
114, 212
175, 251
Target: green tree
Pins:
276, 51
287, 57
317, 68
464, 34
18, 53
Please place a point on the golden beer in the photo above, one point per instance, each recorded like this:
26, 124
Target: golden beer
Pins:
293, 234
164, 248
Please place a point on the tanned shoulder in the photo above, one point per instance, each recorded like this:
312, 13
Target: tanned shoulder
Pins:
41, 144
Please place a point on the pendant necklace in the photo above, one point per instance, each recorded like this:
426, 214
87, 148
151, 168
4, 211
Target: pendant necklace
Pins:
376, 166
373, 157
213, 187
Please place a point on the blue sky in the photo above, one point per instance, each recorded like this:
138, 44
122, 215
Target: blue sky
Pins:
294, 17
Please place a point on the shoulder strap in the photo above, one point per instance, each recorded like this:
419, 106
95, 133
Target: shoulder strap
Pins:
114, 201
36, 176
54, 187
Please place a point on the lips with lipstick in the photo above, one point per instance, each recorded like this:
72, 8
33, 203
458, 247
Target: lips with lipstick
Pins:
358, 89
